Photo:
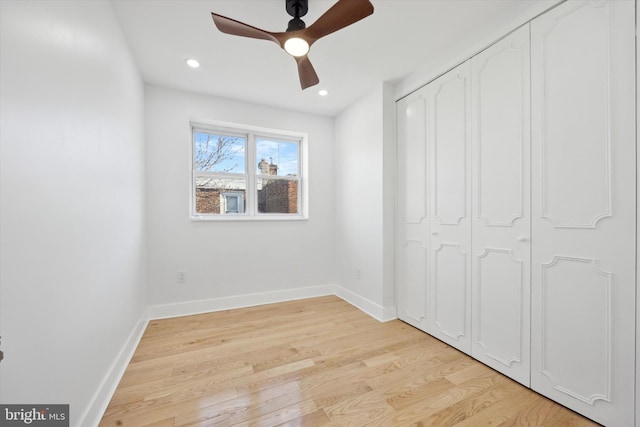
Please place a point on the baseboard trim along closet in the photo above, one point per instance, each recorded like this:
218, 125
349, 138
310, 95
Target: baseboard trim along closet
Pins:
378, 312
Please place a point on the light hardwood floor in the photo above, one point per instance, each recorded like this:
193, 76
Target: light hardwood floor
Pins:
314, 362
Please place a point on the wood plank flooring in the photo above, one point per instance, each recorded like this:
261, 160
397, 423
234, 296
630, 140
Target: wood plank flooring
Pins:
314, 362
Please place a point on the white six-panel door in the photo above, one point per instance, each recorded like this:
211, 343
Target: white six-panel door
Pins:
583, 185
449, 190
501, 206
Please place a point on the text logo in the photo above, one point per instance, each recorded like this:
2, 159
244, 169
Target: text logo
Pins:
34, 415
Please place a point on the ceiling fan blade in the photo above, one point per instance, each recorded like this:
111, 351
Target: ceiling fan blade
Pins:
237, 28
340, 15
308, 76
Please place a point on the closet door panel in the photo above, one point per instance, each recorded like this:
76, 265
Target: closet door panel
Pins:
562, 279
575, 67
413, 160
498, 333
584, 195
448, 148
450, 291
412, 230
412, 278
448, 128
501, 206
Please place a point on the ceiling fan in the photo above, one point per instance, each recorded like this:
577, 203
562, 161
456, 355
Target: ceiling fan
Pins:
298, 38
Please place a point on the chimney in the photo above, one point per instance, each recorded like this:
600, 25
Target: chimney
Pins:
264, 167
273, 169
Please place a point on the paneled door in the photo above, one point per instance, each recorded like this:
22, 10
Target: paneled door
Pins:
449, 189
412, 218
584, 197
501, 206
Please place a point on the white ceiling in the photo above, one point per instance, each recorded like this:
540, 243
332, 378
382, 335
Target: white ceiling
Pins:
399, 38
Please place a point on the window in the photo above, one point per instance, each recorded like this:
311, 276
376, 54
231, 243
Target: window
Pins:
233, 203
246, 173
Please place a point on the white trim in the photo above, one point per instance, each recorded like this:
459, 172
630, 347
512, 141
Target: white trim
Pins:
242, 217
378, 312
206, 124
104, 393
637, 355
188, 308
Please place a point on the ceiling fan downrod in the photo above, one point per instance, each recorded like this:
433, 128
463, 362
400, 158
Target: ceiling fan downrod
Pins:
297, 9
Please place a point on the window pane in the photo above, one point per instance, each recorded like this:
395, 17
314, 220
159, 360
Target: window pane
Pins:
277, 157
277, 196
219, 153
233, 204
220, 196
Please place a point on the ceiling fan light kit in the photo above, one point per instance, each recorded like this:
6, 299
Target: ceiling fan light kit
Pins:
295, 46
298, 38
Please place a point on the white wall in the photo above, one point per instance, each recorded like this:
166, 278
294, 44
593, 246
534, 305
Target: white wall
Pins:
365, 185
72, 200
227, 259
470, 44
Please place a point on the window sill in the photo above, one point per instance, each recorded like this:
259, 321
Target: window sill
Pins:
225, 218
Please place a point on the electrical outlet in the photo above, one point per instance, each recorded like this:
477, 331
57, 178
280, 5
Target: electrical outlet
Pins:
182, 277
357, 273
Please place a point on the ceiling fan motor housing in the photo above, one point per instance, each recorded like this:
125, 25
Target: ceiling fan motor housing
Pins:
296, 24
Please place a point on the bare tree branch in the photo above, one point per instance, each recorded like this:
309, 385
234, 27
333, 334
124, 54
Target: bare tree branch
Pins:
216, 150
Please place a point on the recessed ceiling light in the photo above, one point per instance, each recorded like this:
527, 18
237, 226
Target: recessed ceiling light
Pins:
323, 92
193, 63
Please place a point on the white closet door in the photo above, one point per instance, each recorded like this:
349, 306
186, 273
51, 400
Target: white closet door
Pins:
501, 206
448, 151
412, 231
584, 195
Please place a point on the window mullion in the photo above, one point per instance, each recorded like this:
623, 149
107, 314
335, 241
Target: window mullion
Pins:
250, 174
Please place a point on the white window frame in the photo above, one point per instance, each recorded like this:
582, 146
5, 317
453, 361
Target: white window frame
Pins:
251, 171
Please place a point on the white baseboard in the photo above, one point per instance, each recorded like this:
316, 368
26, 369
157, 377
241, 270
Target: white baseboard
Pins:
378, 312
103, 396
101, 399
187, 308
238, 301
